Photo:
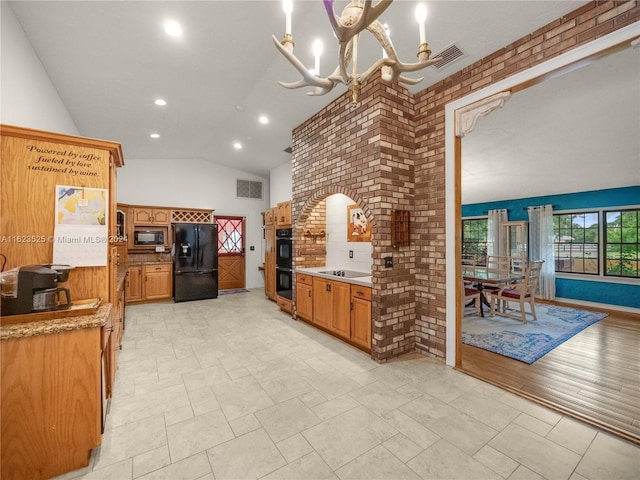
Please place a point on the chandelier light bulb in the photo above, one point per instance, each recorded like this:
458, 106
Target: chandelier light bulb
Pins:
287, 6
421, 17
317, 52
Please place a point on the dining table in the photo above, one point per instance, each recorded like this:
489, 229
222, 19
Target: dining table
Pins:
481, 277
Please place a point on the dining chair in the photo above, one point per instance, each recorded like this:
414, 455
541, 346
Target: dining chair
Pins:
469, 262
522, 292
470, 294
498, 265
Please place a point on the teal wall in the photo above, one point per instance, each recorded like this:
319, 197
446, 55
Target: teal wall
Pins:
627, 294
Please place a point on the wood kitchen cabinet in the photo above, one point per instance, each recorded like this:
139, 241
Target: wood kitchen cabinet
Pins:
133, 284
51, 382
361, 316
270, 254
151, 216
304, 297
283, 218
331, 305
157, 281
339, 307
269, 216
153, 281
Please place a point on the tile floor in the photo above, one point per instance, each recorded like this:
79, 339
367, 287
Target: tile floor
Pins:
232, 388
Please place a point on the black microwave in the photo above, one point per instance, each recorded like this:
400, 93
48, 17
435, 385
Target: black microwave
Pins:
148, 237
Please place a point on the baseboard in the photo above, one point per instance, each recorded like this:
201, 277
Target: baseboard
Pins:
599, 306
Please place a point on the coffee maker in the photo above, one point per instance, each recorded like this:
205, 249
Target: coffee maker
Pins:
36, 291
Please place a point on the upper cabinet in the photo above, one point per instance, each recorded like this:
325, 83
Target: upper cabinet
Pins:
283, 219
151, 216
269, 216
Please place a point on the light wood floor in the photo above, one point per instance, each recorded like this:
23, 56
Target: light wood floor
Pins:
594, 376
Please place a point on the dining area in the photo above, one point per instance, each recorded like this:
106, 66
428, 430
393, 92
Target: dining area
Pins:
505, 285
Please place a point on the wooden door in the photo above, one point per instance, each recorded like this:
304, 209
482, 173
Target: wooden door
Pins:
304, 300
133, 288
322, 302
340, 318
270, 261
157, 281
231, 261
361, 322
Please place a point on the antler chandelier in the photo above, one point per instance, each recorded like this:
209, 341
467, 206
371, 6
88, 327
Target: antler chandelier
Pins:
355, 18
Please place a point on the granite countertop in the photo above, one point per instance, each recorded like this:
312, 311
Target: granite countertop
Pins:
365, 280
59, 325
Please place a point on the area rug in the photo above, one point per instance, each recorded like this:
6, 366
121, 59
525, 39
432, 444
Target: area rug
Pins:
527, 342
232, 290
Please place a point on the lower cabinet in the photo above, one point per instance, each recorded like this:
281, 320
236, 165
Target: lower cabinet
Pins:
285, 304
152, 281
361, 316
339, 307
133, 284
304, 297
156, 281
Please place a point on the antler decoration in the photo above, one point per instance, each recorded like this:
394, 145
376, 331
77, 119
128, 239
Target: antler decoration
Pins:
355, 18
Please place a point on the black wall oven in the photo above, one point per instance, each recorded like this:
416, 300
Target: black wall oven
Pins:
284, 248
284, 262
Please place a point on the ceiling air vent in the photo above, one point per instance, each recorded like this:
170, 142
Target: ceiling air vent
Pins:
450, 54
248, 189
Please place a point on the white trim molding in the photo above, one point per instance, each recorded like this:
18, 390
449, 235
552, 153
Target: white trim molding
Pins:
625, 34
467, 117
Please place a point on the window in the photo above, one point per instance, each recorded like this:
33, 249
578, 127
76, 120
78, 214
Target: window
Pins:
575, 242
230, 236
474, 239
621, 243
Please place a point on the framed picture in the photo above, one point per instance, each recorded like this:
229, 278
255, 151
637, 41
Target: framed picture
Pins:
357, 225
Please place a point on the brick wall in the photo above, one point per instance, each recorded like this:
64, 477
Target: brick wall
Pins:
389, 153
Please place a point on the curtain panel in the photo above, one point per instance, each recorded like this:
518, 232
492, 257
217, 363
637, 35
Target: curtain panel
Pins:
541, 248
494, 226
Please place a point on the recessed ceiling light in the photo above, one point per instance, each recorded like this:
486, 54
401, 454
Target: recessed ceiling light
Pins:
173, 28
160, 102
155, 135
237, 145
263, 119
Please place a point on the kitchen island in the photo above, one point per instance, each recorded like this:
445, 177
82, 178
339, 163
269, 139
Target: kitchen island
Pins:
51, 393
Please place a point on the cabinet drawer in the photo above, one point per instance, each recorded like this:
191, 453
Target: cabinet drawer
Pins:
304, 278
161, 267
358, 291
284, 303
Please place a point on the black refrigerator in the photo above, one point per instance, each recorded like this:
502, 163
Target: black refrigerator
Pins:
195, 261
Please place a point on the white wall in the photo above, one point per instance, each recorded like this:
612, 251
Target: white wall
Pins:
194, 183
337, 245
281, 184
27, 96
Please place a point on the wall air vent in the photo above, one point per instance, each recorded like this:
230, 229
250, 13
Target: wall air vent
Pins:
450, 54
248, 189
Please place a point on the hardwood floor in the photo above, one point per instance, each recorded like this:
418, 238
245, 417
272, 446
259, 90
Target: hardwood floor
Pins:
594, 376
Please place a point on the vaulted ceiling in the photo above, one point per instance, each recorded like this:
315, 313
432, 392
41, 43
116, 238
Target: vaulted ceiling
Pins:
110, 60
